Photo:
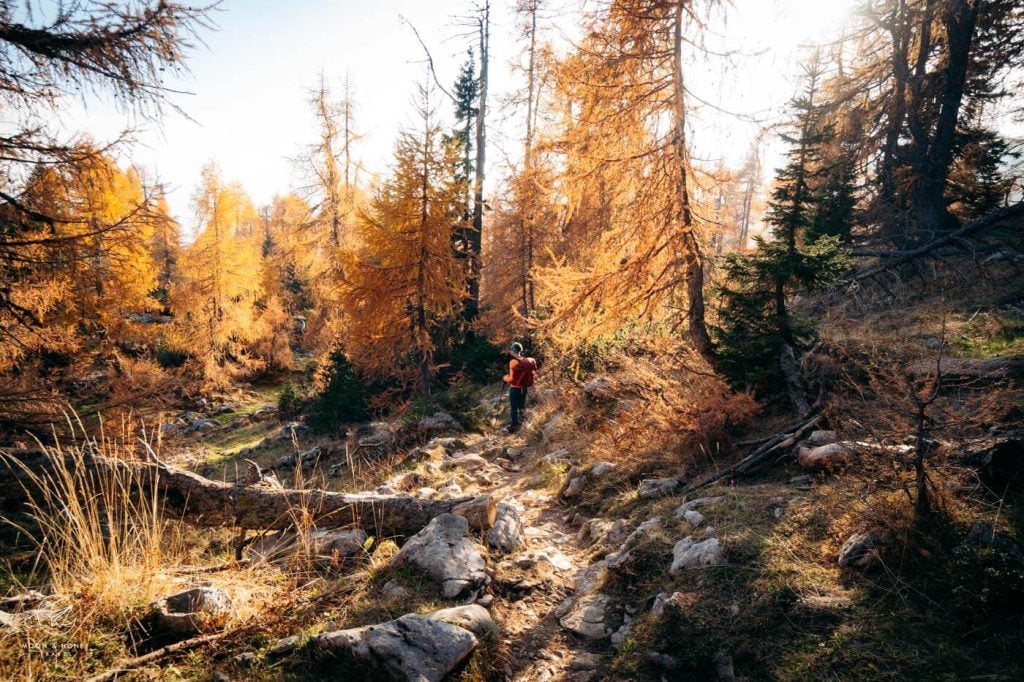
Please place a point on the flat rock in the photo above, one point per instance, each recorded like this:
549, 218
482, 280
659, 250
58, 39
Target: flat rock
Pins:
860, 551
576, 486
412, 648
690, 554
472, 617
191, 612
441, 422
653, 488
507, 533
698, 503
468, 462
444, 553
824, 457
818, 438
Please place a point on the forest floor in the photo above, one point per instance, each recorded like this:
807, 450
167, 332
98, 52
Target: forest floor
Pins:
588, 594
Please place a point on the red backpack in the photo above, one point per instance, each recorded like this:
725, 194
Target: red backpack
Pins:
524, 373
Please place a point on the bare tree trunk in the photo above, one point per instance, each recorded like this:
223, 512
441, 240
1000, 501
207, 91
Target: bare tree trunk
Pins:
205, 503
476, 235
693, 261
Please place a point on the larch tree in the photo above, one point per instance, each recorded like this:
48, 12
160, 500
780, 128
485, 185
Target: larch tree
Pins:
121, 51
627, 159
215, 304
405, 282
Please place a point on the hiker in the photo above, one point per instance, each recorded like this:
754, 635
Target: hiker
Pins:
521, 373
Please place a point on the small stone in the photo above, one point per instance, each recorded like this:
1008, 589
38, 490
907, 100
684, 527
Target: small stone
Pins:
600, 469
246, 659
486, 601
585, 660
822, 438
663, 661
473, 617
693, 517
824, 457
860, 551
653, 488
393, 590
218, 676
506, 535
575, 487
285, 646
659, 603
690, 554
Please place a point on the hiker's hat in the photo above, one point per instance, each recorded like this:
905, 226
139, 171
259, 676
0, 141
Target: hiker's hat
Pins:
516, 347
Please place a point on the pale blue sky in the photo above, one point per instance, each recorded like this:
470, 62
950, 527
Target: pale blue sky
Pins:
250, 83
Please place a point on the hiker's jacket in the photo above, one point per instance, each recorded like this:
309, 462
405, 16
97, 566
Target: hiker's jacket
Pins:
514, 378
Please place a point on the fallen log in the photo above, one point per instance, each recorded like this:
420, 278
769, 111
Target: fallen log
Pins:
202, 502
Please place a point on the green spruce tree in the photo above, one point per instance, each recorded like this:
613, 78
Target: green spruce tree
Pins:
757, 327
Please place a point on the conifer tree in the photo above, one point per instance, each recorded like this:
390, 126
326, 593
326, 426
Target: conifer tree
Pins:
215, 304
757, 329
405, 281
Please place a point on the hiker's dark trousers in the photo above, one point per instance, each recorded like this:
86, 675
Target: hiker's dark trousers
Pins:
517, 405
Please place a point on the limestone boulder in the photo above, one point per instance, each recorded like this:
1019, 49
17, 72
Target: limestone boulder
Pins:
443, 552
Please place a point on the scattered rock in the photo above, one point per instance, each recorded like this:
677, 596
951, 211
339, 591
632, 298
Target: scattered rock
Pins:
191, 612
652, 488
413, 648
201, 425
985, 534
697, 504
485, 601
284, 646
392, 590
376, 435
660, 600
585, 660
467, 462
693, 517
801, 482
575, 487
600, 469
663, 661
586, 614
999, 460
551, 426
473, 617
622, 555
598, 391
345, 543
724, 667
860, 551
264, 414
246, 659
690, 554
441, 422
818, 438
445, 554
294, 430
824, 457
507, 533
618, 637
559, 456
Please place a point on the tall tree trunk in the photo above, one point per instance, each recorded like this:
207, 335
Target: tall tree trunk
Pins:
476, 235
693, 261
934, 158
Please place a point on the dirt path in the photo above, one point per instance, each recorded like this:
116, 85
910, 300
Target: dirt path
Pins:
532, 582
